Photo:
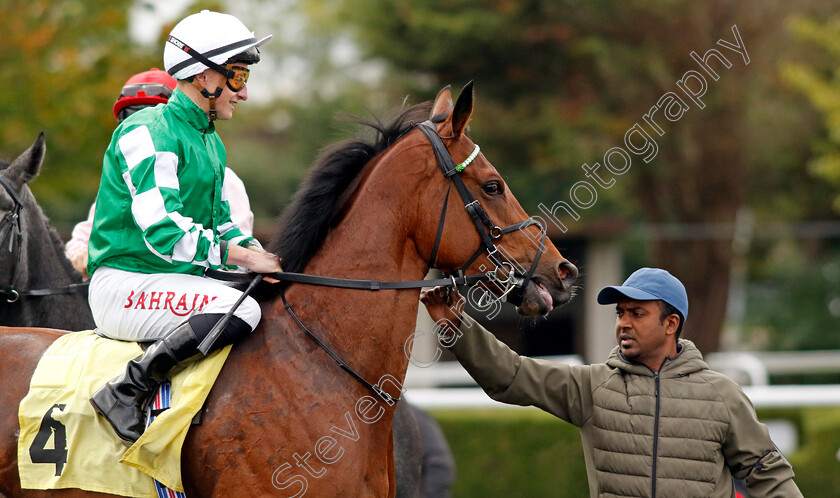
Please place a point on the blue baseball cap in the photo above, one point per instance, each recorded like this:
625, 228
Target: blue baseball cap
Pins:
648, 284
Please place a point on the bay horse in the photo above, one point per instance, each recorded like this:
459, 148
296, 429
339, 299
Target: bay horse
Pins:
32, 257
283, 419
44, 290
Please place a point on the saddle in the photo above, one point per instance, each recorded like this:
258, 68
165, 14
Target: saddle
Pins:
64, 444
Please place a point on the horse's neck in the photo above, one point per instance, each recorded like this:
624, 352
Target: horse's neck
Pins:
43, 258
367, 328
43, 265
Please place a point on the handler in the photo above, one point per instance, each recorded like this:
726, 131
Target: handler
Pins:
162, 218
654, 420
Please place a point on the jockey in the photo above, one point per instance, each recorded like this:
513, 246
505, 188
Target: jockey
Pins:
162, 218
142, 90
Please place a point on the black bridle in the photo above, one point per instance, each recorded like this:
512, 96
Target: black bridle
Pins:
11, 232
514, 287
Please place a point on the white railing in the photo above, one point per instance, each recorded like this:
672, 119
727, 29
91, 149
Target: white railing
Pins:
452, 374
447, 385
793, 362
794, 395
755, 368
744, 368
761, 397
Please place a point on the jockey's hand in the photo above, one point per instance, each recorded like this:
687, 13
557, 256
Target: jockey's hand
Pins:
271, 262
255, 259
444, 305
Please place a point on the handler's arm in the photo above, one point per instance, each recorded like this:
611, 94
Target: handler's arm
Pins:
504, 375
750, 453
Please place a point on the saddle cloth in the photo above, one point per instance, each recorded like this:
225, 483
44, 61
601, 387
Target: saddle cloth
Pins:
64, 444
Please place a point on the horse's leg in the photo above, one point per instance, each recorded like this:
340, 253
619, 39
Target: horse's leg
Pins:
21, 351
408, 452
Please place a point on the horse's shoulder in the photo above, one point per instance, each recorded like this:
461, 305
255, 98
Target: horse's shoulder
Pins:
42, 332
29, 344
35, 330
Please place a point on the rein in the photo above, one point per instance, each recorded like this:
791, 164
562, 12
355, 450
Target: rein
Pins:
10, 227
375, 285
13, 295
376, 389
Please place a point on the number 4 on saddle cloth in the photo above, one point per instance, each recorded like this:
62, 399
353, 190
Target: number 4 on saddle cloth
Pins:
64, 444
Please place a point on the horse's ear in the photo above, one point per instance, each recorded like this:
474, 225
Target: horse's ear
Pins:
27, 166
463, 110
442, 107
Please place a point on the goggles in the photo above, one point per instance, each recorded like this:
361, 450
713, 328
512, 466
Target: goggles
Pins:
129, 110
146, 90
239, 78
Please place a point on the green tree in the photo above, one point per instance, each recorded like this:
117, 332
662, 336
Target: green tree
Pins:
818, 77
302, 97
560, 83
61, 66
799, 306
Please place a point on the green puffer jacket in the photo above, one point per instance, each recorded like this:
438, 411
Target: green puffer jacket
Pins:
682, 432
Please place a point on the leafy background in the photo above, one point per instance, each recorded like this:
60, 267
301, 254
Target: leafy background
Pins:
558, 84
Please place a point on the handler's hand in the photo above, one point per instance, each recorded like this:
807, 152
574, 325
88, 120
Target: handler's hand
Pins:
440, 303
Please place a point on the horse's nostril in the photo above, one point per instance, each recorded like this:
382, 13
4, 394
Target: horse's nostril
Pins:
566, 270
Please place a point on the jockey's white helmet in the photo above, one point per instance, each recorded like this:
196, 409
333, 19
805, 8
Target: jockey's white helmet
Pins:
215, 36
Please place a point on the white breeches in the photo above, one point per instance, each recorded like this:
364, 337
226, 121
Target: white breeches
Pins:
145, 307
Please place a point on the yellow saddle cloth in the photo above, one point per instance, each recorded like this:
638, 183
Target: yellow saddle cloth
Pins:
64, 444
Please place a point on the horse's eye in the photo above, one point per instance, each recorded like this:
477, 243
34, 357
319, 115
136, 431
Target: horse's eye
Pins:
493, 188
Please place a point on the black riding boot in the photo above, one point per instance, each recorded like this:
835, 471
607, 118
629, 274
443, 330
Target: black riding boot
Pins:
122, 401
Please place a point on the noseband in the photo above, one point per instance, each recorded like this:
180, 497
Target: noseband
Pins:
513, 286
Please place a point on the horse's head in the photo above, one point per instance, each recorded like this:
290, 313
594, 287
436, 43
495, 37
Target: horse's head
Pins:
399, 191
492, 234
13, 196
23, 169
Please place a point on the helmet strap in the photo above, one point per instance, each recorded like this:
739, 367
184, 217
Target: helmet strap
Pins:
212, 108
198, 56
211, 97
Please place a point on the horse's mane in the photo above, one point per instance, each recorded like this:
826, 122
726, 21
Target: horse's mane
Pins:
55, 241
58, 246
304, 224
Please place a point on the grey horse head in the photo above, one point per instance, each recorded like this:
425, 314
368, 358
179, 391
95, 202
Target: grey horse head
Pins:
32, 253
